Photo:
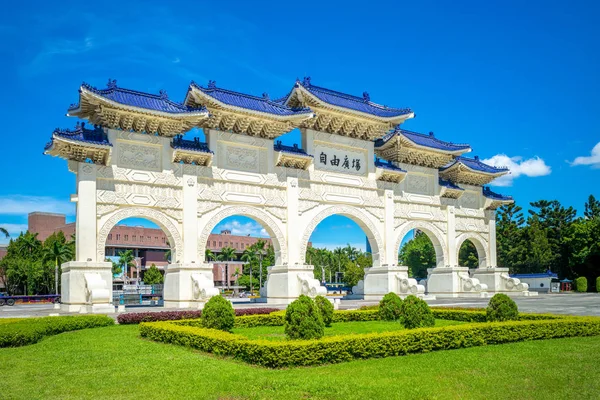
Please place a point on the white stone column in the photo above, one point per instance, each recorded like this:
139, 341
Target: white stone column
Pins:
189, 282
491, 217
294, 234
391, 253
86, 284
452, 260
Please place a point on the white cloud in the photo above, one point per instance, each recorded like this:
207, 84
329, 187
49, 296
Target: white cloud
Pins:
242, 229
23, 205
531, 167
593, 159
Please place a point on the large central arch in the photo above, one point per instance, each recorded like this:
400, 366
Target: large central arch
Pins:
277, 237
355, 215
480, 244
434, 234
151, 214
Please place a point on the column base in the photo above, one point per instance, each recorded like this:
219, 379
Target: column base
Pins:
286, 283
498, 281
444, 282
382, 280
86, 287
188, 285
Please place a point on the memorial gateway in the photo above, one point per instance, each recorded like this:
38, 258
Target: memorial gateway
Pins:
355, 160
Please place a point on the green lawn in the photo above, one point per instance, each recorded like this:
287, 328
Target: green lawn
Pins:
341, 328
113, 362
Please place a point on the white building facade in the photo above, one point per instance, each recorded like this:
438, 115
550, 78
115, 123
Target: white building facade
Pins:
354, 160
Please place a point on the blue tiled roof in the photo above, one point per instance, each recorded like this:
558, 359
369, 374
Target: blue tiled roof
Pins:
385, 164
548, 274
421, 139
449, 184
134, 98
289, 149
81, 134
475, 164
487, 192
179, 142
242, 100
362, 104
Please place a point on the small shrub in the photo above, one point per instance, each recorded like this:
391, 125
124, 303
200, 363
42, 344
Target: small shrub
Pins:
389, 307
303, 320
581, 284
326, 309
218, 314
598, 284
502, 308
416, 313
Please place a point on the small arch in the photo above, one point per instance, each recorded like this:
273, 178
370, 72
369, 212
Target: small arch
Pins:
434, 234
153, 215
274, 231
480, 244
355, 215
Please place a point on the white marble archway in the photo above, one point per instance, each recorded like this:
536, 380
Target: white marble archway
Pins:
368, 227
159, 218
275, 232
480, 244
434, 234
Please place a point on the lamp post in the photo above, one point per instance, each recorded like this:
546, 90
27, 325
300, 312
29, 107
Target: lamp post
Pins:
137, 267
223, 276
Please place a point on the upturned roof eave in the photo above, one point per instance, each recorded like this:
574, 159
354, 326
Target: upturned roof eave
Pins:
458, 164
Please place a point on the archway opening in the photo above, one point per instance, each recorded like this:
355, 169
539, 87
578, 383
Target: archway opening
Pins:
471, 253
240, 250
418, 252
339, 249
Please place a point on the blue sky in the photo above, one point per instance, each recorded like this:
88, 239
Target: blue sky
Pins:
517, 80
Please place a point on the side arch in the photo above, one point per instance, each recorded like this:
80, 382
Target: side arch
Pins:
355, 215
434, 234
153, 215
277, 236
480, 244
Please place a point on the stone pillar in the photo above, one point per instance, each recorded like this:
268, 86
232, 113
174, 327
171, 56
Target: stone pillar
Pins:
452, 260
86, 284
189, 282
491, 217
288, 281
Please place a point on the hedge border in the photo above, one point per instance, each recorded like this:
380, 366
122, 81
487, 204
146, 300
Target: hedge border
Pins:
362, 346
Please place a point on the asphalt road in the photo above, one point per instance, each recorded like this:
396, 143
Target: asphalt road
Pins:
567, 303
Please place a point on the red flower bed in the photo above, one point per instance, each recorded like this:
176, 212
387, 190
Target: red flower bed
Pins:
151, 316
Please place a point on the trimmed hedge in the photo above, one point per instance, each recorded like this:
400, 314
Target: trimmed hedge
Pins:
31, 330
153, 316
581, 284
326, 309
276, 354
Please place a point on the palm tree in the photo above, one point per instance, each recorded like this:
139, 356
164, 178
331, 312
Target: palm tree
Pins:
227, 254
209, 255
126, 259
249, 255
339, 252
351, 252
4, 232
259, 246
59, 253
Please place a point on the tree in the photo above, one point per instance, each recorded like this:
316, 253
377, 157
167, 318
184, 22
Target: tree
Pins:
592, 208
152, 276
418, 254
126, 260
467, 255
539, 256
510, 245
4, 232
249, 255
353, 273
58, 252
209, 255
116, 268
227, 254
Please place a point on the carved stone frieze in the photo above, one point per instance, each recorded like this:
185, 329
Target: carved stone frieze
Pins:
109, 192
408, 211
139, 156
471, 224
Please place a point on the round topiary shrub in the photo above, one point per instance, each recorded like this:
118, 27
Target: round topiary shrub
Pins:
581, 284
416, 313
303, 320
389, 307
326, 309
502, 308
218, 314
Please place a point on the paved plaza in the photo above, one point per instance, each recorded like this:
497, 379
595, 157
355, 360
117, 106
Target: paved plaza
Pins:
568, 303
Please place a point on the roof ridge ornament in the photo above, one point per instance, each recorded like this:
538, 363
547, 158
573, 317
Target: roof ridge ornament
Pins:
112, 84
212, 84
306, 81
431, 134
163, 94
265, 96
366, 97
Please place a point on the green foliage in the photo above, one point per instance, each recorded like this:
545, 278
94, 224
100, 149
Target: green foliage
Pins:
502, 308
598, 284
303, 320
416, 313
592, 208
153, 276
218, 314
353, 273
581, 284
21, 332
126, 259
348, 260
390, 307
467, 255
418, 254
325, 308
335, 349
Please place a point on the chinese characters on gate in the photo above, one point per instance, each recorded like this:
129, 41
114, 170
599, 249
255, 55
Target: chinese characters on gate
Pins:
346, 163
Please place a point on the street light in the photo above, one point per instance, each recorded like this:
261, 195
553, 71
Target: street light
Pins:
137, 265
